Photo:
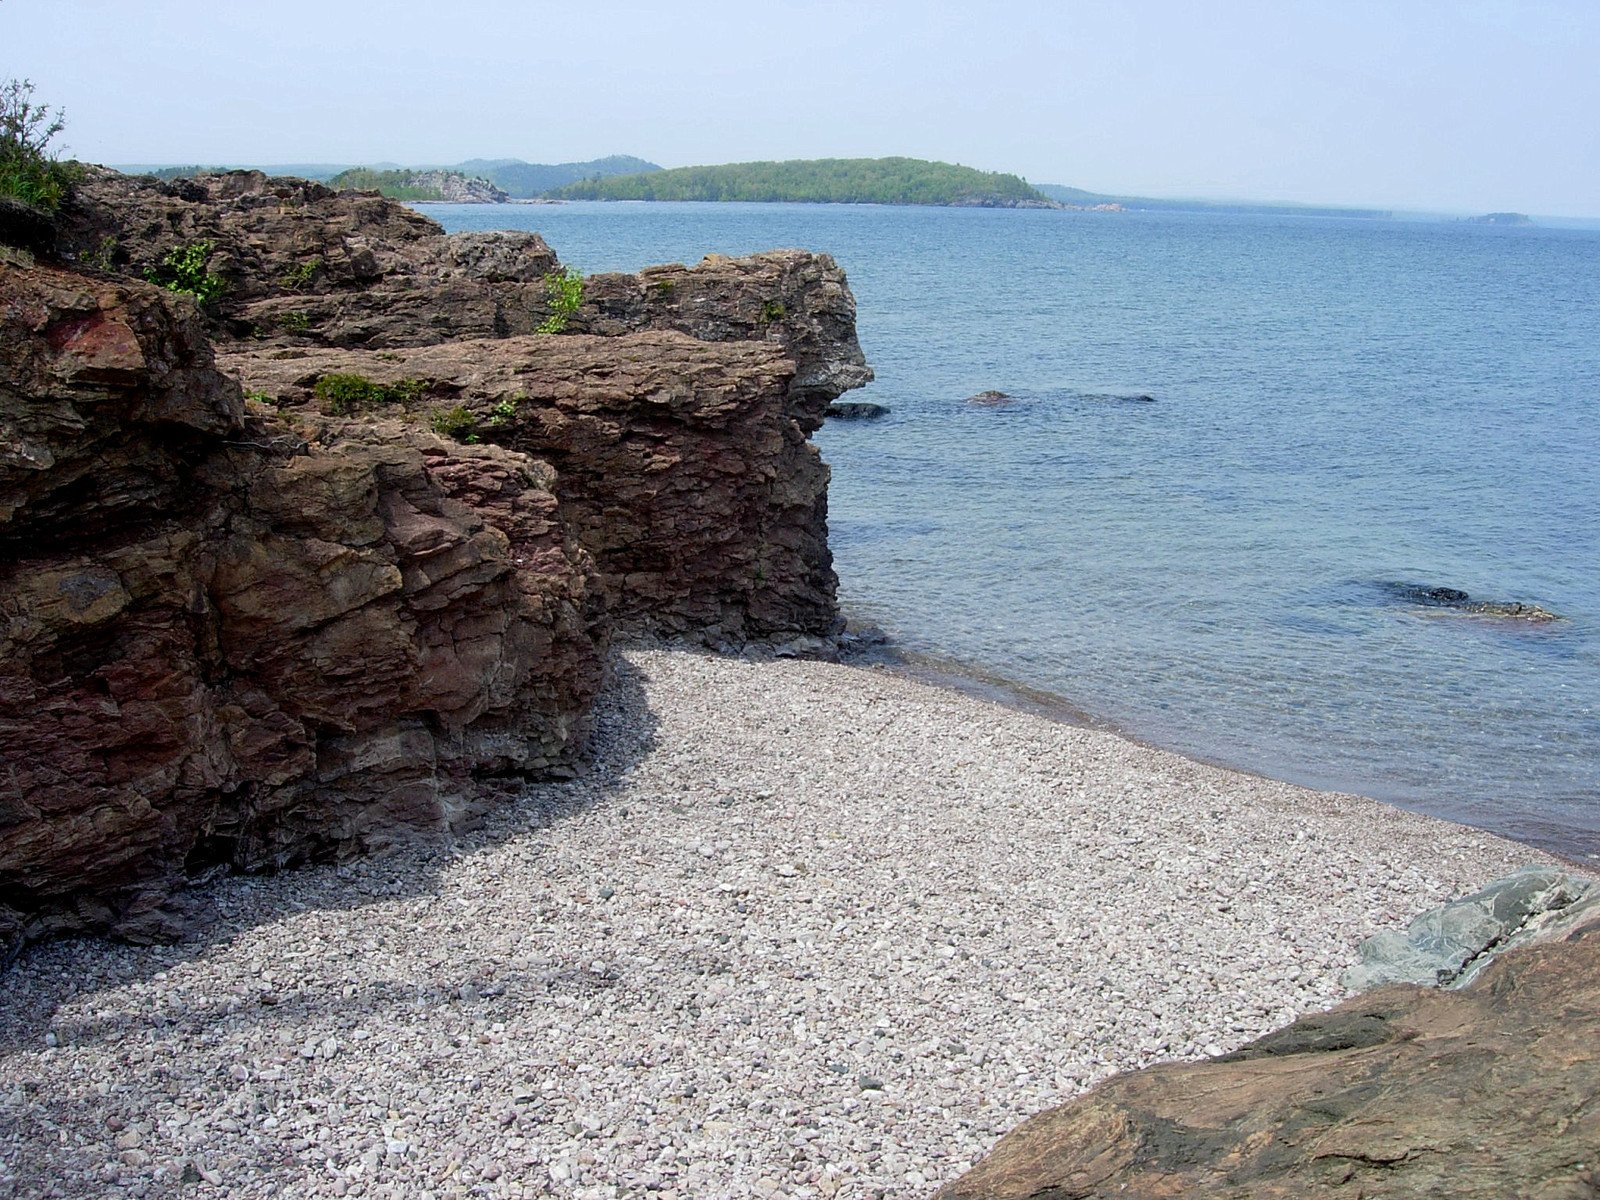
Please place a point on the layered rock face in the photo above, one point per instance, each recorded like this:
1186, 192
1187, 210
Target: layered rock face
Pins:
221, 646
1487, 1092
678, 464
686, 472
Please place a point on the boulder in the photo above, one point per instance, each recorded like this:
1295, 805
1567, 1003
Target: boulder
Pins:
991, 399
1449, 945
1481, 1093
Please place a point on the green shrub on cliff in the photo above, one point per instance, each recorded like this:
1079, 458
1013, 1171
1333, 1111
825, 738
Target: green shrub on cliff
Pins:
457, 423
28, 171
184, 270
563, 297
342, 394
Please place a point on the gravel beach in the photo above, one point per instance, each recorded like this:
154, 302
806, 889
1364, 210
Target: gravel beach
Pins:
801, 930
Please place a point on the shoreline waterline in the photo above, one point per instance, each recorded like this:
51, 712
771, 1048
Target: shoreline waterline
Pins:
1574, 848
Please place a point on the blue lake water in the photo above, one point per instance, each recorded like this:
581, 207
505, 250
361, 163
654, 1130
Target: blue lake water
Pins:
1338, 404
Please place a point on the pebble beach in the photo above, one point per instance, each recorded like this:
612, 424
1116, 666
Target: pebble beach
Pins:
798, 930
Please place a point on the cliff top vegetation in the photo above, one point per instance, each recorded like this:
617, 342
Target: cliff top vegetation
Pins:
28, 170
819, 180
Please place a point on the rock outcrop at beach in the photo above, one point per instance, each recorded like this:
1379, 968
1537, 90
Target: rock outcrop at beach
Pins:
222, 646
241, 632
682, 466
1484, 1093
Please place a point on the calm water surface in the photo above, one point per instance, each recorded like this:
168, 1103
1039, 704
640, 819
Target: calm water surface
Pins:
1338, 404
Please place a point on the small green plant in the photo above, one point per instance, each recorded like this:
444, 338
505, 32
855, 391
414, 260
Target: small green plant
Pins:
662, 289
342, 394
103, 256
457, 423
28, 170
503, 412
260, 397
563, 291
295, 322
298, 277
772, 310
183, 270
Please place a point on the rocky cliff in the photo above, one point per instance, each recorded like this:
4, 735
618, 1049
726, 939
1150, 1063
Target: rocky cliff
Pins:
220, 645
243, 631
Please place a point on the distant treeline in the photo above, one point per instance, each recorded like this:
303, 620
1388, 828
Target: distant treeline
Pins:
526, 179
821, 181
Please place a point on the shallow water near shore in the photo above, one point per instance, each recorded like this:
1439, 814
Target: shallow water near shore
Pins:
1338, 405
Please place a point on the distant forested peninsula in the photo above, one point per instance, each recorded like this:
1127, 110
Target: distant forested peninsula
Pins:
819, 181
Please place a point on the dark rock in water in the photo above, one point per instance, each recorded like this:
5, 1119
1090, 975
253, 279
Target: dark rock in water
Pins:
1483, 1092
1118, 398
1459, 601
856, 410
26, 227
990, 399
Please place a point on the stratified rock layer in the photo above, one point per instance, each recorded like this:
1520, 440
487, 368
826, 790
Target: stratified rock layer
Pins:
1487, 1092
219, 645
682, 466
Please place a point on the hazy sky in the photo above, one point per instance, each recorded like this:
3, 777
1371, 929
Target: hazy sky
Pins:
1461, 105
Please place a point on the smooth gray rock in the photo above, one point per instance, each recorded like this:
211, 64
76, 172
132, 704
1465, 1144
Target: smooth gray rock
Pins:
1448, 946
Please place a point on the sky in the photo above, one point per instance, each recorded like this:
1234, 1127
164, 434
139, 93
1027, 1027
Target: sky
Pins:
1437, 105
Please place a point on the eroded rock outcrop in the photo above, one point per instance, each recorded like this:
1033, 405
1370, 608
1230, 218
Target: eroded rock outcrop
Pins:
794, 299
682, 466
1487, 1092
302, 264
220, 645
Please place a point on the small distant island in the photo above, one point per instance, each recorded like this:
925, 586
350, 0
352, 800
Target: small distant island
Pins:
820, 181
1501, 218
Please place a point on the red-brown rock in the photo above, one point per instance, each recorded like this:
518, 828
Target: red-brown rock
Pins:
221, 645
682, 466
1486, 1093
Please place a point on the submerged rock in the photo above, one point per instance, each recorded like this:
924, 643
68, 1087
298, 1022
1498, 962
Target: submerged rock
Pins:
855, 411
1454, 599
1484, 1093
991, 399
1120, 397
